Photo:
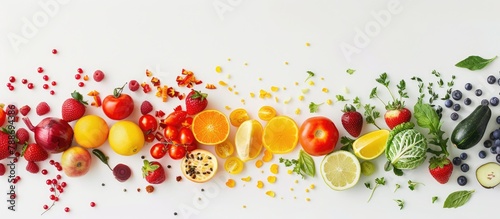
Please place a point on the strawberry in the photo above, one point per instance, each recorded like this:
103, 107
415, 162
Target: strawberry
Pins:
146, 107
4, 144
196, 102
176, 118
22, 136
42, 108
24, 110
34, 153
2, 169
73, 108
394, 117
153, 172
440, 168
32, 167
352, 120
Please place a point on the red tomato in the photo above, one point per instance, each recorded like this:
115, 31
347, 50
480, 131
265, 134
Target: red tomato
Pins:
186, 136
118, 106
149, 137
171, 132
148, 123
318, 135
177, 151
158, 150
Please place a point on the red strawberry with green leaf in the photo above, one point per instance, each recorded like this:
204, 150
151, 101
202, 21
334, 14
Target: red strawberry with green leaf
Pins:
153, 172
440, 168
352, 120
73, 108
4, 144
196, 101
34, 153
396, 116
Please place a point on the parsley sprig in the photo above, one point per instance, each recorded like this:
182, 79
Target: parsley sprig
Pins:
378, 181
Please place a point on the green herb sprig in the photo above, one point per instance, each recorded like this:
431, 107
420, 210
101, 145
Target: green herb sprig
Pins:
412, 184
303, 166
378, 182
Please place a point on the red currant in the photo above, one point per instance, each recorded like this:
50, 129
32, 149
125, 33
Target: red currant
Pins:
64, 184
48, 182
11, 88
58, 176
54, 83
45, 86
12, 79
54, 181
78, 76
61, 190
24, 81
52, 189
56, 199
45, 77
57, 164
54, 51
81, 84
45, 207
66, 209
18, 178
39, 69
51, 162
44, 172
15, 160
92, 204
9, 85
52, 197
30, 86
52, 92
59, 168
79, 70
17, 154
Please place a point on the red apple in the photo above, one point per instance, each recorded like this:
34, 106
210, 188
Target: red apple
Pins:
76, 161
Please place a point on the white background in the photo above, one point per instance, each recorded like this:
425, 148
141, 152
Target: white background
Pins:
403, 38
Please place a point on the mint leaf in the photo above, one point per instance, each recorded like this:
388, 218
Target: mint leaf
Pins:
350, 71
474, 62
307, 164
457, 199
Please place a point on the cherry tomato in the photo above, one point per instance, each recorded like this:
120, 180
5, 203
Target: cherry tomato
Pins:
318, 135
176, 151
171, 132
158, 150
118, 106
186, 136
148, 123
149, 137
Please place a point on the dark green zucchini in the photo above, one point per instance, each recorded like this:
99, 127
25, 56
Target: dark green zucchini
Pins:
470, 131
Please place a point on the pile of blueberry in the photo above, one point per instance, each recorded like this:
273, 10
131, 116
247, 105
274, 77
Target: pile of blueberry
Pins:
464, 167
492, 144
457, 95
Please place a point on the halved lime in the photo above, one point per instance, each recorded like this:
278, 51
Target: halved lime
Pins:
340, 170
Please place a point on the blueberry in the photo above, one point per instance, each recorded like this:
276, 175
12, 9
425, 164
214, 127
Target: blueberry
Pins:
482, 154
496, 134
485, 102
468, 86
487, 143
498, 81
454, 116
464, 167
462, 180
479, 92
448, 103
456, 107
491, 79
494, 101
456, 161
456, 94
493, 149
497, 150
467, 101
498, 119
463, 156
498, 158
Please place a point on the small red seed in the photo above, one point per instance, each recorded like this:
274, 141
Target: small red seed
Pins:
45, 86
45, 207
54, 83
44, 172
92, 204
11, 88
54, 181
56, 199
45, 77
52, 197
24, 81
30, 86
8, 85
52, 92
39, 69
58, 176
52, 189
79, 70
78, 76
64, 184
54, 51
66, 209
48, 182
12, 79
81, 84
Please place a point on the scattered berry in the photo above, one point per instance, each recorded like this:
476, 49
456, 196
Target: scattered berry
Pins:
467, 101
464, 156
32, 167
146, 107
22, 136
487, 143
468, 86
491, 79
24, 81
42, 108
482, 154
92, 204
150, 188
45, 86
54, 83
462, 180
464, 167
45, 171
456, 161
78, 76
485, 102
81, 84
24, 110
39, 69
454, 116
45, 77
448, 103
494, 101
52, 92
479, 92
493, 149
456, 107
2, 169
98, 75
66, 209
12, 79
31, 86
133, 85
498, 158
79, 70
456, 94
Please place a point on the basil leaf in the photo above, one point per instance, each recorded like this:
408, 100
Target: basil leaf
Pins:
307, 163
474, 63
457, 199
427, 117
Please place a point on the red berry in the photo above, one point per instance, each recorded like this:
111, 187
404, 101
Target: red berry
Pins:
11, 88
56, 199
63, 184
79, 70
52, 92
54, 51
8, 85
58, 176
52, 189
54, 181
48, 182
39, 69
45, 207
61, 190
45, 77
54, 83
30, 86
17, 154
52, 197
78, 76
44, 172
42, 108
2, 169
45, 86
24, 81
15, 160
92, 204
66, 209
98, 75
133, 85
51, 162
12, 79
81, 84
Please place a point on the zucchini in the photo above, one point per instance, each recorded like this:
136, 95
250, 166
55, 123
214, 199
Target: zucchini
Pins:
470, 130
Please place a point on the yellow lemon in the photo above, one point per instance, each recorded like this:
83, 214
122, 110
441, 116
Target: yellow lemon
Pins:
91, 131
248, 140
126, 138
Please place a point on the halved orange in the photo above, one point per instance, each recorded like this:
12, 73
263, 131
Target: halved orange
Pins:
210, 127
281, 135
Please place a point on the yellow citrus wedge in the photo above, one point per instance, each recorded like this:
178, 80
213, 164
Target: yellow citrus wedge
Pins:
248, 140
281, 135
371, 145
210, 127
340, 170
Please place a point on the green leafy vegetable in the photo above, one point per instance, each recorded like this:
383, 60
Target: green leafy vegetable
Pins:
350, 71
356, 102
474, 62
371, 114
457, 199
396, 103
340, 98
397, 187
314, 107
303, 166
310, 75
406, 148
428, 118
346, 143
400, 202
378, 181
412, 185
434, 199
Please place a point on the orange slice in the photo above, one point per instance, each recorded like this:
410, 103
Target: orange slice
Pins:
210, 127
281, 135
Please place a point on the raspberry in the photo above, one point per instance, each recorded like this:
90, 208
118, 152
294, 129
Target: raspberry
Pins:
22, 135
25, 110
133, 85
32, 167
146, 107
98, 75
42, 108
2, 169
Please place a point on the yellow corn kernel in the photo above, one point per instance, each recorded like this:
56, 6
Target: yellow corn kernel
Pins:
252, 94
271, 179
291, 189
312, 186
286, 101
246, 63
242, 101
244, 206
271, 193
228, 76
301, 97
296, 181
274, 88
286, 63
222, 83
228, 59
289, 171
284, 88
230, 183
218, 69
259, 163
305, 90
308, 199
276, 100
236, 93
227, 107
260, 79
260, 184
274, 168
297, 111
308, 44
268, 156
246, 179
230, 89
329, 102
325, 90
311, 83
296, 83
307, 190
